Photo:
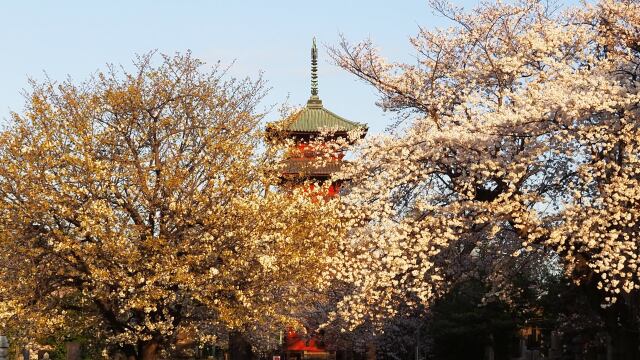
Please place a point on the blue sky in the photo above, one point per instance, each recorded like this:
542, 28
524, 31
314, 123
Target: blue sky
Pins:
76, 38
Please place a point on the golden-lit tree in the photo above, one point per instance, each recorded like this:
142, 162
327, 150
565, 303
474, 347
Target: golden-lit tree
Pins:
135, 205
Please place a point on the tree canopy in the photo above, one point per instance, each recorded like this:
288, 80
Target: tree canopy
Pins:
135, 206
517, 143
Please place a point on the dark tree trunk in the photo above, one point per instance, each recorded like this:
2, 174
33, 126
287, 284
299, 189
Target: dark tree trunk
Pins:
129, 352
623, 327
372, 350
625, 345
239, 347
148, 350
74, 351
622, 324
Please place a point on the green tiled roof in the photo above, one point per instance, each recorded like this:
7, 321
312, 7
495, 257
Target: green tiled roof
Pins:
315, 118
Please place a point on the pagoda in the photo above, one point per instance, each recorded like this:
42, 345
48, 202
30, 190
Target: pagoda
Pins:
310, 129
310, 158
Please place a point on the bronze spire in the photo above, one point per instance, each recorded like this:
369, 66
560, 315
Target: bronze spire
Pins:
314, 101
314, 68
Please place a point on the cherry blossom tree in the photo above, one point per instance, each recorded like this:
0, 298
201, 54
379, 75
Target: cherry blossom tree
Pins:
517, 137
135, 207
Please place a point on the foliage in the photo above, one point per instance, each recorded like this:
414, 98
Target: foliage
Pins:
461, 318
136, 206
522, 153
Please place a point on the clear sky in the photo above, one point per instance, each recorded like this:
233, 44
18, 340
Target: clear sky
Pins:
76, 38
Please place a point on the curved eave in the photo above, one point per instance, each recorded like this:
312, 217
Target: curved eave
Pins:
310, 134
312, 121
298, 168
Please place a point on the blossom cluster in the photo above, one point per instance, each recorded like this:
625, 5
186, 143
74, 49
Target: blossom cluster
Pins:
518, 134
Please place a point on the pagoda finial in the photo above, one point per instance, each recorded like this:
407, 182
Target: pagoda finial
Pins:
314, 68
314, 101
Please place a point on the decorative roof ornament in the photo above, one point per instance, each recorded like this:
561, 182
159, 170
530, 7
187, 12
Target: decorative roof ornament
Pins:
314, 100
313, 119
314, 68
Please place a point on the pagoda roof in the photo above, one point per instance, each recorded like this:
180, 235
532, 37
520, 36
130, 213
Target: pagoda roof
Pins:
311, 167
314, 118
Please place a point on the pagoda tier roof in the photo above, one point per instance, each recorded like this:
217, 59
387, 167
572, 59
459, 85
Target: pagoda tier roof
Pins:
311, 167
315, 119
